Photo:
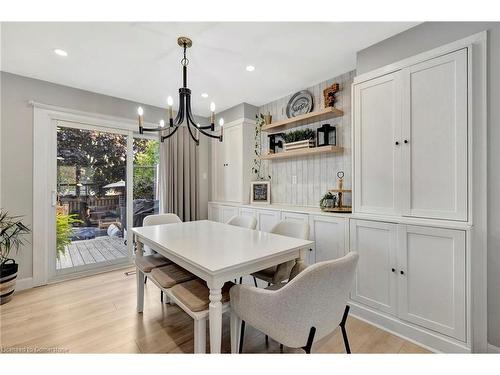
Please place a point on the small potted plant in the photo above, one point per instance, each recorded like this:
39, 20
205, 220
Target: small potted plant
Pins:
298, 139
328, 201
12, 232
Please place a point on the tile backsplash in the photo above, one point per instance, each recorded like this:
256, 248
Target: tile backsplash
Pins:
302, 181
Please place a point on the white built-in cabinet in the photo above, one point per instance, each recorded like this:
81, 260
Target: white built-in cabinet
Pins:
231, 163
411, 198
329, 232
411, 141
416, 273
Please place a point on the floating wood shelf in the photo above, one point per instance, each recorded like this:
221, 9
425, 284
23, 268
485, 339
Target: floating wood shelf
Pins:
303, 152
345, 209
307, 118
340, 190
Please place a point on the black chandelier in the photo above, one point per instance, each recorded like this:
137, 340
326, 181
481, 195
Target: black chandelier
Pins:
184, 109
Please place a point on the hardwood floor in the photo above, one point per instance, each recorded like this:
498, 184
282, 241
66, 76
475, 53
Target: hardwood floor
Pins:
97, 314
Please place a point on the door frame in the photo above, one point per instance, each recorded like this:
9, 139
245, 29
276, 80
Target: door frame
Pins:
44, 129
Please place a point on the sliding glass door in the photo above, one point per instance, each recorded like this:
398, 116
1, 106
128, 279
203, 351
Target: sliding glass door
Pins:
91, 198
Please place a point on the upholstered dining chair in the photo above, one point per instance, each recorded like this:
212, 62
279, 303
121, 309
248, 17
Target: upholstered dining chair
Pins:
300, 312
146, 263
281, 272
249, 222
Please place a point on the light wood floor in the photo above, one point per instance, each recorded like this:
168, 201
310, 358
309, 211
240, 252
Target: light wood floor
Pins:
97, 314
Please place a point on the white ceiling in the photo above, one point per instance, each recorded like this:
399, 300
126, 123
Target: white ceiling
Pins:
141, 61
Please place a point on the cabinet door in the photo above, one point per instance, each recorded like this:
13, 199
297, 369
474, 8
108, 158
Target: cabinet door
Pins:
248, 212
377, 145
434, 148
375, 281
232, 180
213, 212
268, 219
227, 212
328, 234
432, 279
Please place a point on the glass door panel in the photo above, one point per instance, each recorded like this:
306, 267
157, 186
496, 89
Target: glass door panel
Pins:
91, 210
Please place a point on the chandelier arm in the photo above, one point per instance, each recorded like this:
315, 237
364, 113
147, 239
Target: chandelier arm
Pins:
190, 116
191, 133
163, 137
190, 121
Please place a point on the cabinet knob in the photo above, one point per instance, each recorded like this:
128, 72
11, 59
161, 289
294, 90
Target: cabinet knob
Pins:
393, 269
397, 143
402, 272
406, 141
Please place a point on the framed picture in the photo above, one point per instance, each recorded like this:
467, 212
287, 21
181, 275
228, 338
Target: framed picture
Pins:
260, 192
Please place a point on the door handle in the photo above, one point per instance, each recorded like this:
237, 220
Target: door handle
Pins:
53, 198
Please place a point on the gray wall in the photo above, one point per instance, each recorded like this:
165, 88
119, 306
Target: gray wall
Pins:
315, 174
242, 110
16, 171
430, 35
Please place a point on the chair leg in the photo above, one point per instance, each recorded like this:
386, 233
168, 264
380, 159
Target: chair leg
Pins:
200, 336
310, 340
241, 280
255, 282
344, 332
145, 279
242, 335
161, 295
267, 340
235, 324
281, 348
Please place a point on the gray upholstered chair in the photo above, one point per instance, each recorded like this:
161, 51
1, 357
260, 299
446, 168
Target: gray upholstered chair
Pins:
146, 263
281, 272
249, 222
299, 313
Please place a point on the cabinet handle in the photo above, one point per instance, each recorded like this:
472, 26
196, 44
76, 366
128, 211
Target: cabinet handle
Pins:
393, 269
397, 143
402, 272
406, 141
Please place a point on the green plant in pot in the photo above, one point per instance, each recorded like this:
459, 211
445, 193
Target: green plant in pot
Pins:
328, 201
299, 135
12, 233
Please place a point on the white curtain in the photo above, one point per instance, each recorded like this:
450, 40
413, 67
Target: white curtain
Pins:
179, 184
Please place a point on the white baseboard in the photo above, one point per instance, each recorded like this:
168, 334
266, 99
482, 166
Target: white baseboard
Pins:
493, 349
22, 284
420, 336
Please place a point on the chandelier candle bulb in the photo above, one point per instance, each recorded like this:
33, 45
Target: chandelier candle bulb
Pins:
170, 103
212, 115
140, 113
221, 123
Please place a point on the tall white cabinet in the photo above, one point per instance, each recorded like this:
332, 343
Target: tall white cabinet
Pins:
232, 163
411, 139
411, 201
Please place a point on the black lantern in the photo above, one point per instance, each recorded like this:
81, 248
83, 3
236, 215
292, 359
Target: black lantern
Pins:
328, 135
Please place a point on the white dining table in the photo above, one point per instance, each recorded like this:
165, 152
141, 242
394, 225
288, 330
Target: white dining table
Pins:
217, 253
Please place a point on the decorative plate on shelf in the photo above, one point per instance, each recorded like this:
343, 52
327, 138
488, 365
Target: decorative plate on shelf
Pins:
300, 103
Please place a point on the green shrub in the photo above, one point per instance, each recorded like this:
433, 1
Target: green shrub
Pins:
64, 231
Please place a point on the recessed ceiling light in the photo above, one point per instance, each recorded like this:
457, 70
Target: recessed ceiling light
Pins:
204, 95
60, 52
250, 68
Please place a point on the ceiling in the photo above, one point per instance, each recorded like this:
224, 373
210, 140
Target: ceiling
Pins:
141, 61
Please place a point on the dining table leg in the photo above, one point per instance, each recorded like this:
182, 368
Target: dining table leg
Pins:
215, 318
140, 280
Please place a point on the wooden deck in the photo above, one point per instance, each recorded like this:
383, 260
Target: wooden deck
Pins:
100, 249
